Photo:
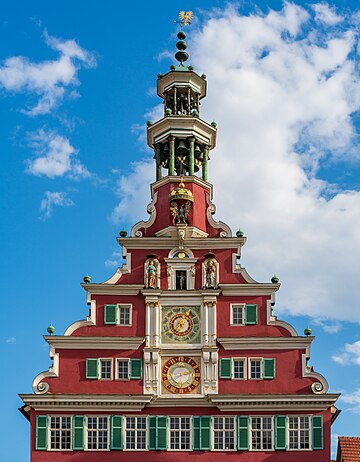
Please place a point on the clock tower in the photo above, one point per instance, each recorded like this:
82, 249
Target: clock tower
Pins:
181, 354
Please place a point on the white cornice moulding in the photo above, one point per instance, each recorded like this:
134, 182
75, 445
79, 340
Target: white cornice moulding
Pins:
111, 289
265, 343
94, 343
249, 289
197, 243
274, 402
58, 402
181, 401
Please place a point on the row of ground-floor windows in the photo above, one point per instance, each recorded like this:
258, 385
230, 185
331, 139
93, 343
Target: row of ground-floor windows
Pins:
175, 433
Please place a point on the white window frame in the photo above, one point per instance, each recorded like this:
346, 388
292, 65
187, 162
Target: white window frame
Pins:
190, 430
245, 368
49, 432
237, 305
117, 368
146, 430
111, 368
213, 430
272, 432
86, 436
288, 432
124, 305
261, 368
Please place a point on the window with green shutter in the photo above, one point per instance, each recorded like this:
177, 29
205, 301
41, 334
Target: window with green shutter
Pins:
92, 368
269, 368
110, 312
201, 433
78, 433
41, 432
158, 433
280, 432
226, 368
251, 315
135, 369
116, 432
317, 432
243, 432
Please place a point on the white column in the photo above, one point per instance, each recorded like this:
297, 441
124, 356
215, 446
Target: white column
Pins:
205, 323
155, 372
214, 371
147, 372
206, 372
147, 324
156, 311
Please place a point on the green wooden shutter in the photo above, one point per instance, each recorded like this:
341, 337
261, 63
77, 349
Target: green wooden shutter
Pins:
201, 433
135, 369
225, 368
317, 432
196, 432
116, 432
158, 433
110, 314
269, 368
41, 432
78, 432
92, 368
243, 433
251, 314
280, 432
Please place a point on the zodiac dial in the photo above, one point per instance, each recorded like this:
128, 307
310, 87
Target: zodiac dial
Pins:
181, 324
181, 375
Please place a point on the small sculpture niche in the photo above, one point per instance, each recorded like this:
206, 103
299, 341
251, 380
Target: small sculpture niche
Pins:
181, 279
152, 273
180, 212
210, 273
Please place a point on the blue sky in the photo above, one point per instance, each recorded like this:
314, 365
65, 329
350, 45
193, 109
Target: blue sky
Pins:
77, 84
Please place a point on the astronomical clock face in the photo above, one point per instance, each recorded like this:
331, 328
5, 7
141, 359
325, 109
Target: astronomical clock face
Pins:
180, 375
181, 324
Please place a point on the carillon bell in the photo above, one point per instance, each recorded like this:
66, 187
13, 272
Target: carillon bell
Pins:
181, 149
197, 152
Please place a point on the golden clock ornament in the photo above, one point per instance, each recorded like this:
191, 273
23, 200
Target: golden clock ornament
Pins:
181, 375
181, 324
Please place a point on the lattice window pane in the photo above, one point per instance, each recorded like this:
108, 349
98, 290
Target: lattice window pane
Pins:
123, 369
124, 315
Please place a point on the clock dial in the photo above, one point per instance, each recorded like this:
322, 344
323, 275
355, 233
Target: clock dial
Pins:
181, 374
181, 324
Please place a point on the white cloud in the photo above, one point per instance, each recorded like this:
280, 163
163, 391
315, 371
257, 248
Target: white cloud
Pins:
349, 355
115, 261
56, 157
353, 399
48, 80
52, 199
284, 93
326, 14
11, 340
331, 327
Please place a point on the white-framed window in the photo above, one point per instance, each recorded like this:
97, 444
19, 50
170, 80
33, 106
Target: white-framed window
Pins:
239, 368
60, 432
180, 433
224, 431
98, 433
105, 368
122, 369
255, 368
237, 314
124, 315
261, 429
299, 432
135, 433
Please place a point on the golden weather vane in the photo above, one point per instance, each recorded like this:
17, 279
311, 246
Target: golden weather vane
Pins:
185, 18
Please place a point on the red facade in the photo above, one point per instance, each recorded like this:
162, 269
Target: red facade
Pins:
181, 354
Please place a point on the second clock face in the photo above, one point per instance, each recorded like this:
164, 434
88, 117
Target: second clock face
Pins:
181, 324
181, 374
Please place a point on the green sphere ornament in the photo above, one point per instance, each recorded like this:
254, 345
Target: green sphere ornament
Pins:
307, 331
191, 68
159, 75
168, 112
173, 67
87, 279
195, 113
203, 76
149, 123
51, 329
123, 233
275, 279
240, 233
214, 124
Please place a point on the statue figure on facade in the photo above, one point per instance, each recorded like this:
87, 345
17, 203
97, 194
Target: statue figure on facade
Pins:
210, 273
151, 274
180, 212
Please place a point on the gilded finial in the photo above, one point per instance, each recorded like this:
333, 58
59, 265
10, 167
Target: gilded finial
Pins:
185, 18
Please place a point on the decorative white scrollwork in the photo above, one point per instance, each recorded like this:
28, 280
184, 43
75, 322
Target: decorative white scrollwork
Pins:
317, 388
138, 233
42, 387
223, 234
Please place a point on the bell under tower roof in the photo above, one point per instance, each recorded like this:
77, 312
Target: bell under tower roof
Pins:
181, 139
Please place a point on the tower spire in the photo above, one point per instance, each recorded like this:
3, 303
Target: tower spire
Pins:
181, 139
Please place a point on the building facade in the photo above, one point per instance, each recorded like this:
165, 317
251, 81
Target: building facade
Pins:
181, 354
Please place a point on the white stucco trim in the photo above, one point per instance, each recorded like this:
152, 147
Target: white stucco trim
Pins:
274, 321
94, 343
151, 210
210, 211
124, 269
89, 321
265, 343
40, 387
